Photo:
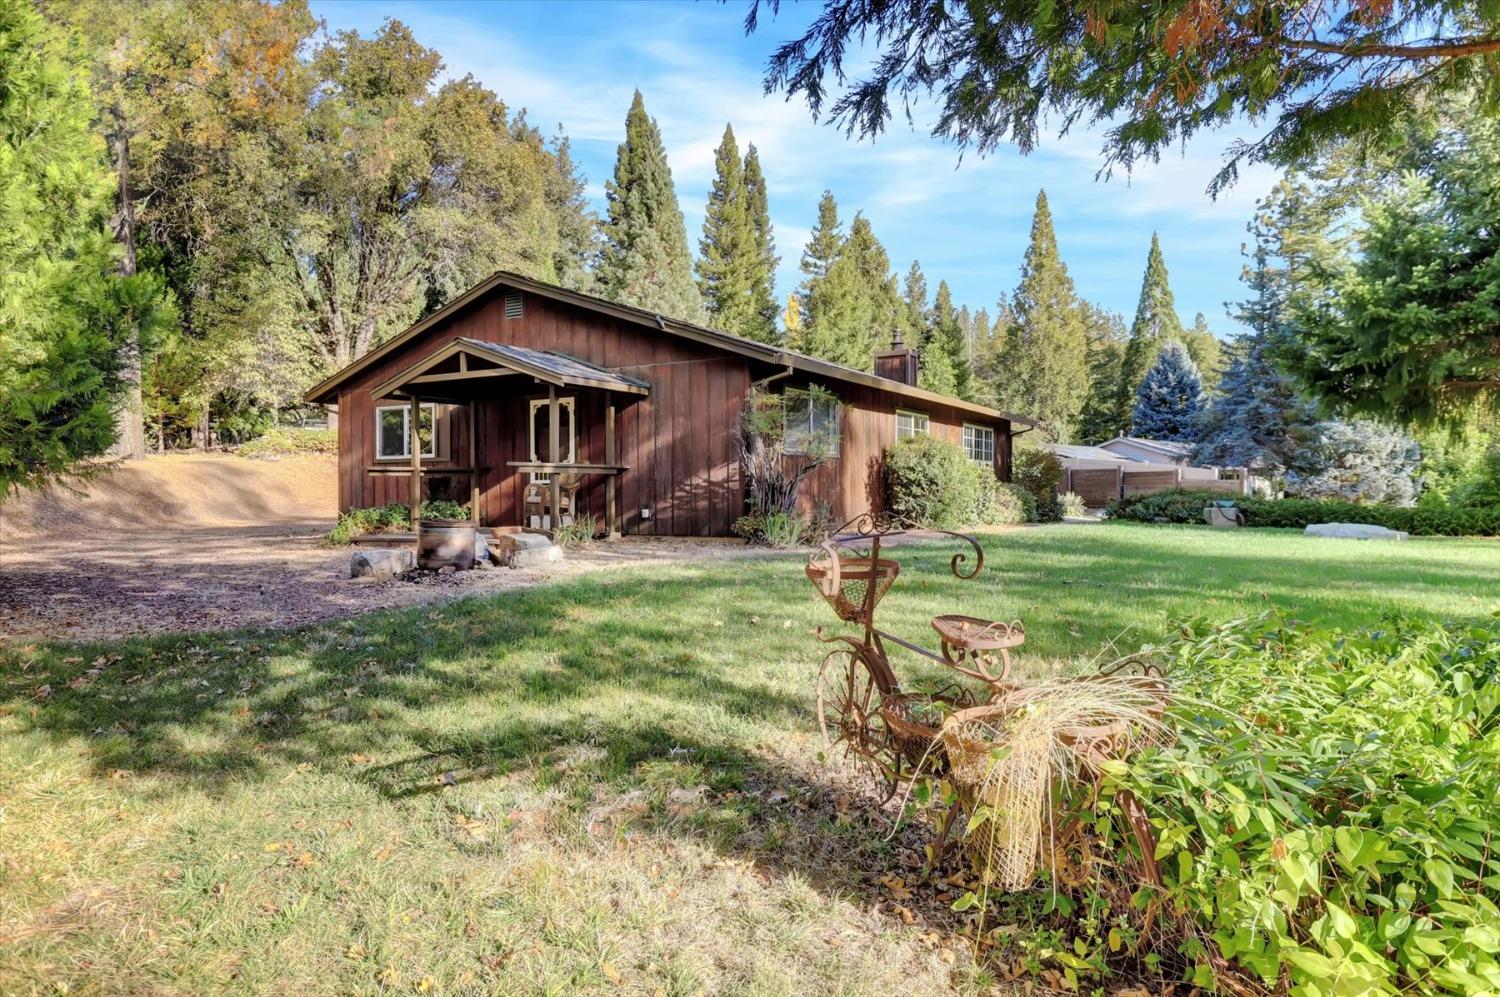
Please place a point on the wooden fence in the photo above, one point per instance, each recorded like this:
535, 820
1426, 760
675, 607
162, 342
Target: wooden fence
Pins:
1100, 486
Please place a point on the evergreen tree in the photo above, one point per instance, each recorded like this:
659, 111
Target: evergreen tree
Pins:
945, 361
1259, 419
1206, 350
645, 261
1155, 323
1105, 333
1169, 402
823, 245
1359, 461
70, 323
1045, 351
991, 374
729, 252
915, 318
851, 307
763, 284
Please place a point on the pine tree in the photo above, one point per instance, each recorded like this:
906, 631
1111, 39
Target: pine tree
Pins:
915, 320
1206, 350
944, 351
1045, 350
763, 283
823, 245
69, 322
1169, 402
1105, 333
852, 305
1155, 323
646, 261
1259, 420
728, 253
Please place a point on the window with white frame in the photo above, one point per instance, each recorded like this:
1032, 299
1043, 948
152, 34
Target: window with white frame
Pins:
910, 423
812, 421
979, 443
393, 431
541, 434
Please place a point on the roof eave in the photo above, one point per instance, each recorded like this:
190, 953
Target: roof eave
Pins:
323, 392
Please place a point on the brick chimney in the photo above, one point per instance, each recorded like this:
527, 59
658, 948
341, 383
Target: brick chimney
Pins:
899, 363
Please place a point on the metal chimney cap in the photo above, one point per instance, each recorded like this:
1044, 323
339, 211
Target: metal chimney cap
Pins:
896, 343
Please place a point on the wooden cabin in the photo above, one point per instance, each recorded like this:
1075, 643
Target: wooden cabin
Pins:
518, 388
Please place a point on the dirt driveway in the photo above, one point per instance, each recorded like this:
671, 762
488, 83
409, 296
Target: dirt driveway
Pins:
85, 587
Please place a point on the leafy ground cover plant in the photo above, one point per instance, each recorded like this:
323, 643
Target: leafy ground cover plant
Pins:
1325, 819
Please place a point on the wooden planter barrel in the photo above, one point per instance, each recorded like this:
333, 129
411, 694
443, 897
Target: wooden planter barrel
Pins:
443, 543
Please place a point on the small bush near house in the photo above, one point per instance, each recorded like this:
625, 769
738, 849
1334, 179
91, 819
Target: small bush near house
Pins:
280, 442
932, 483
1013, 504
1324, 817
1187, 507
579, 532
392, 518
1039, 472
776, 529
1070, 504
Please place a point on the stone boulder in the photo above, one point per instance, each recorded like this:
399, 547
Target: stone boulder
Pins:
1353, 531
524, 550
382, 562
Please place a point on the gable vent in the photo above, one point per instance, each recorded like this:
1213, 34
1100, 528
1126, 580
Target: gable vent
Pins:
513, 305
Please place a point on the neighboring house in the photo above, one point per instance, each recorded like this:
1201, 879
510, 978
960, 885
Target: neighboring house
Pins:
1078, 456
517, 384
1149, 451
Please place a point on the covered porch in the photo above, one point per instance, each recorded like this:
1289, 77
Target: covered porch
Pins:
532, 418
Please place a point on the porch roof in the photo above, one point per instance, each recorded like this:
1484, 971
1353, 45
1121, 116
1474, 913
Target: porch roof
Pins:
475, 362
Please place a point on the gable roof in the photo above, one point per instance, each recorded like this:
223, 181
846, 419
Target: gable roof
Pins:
1075, 451
1167, 448
324, 391
546, 366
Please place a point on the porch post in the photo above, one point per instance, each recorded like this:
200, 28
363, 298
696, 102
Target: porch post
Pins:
554, 439
473, 460
611, 529
416, 460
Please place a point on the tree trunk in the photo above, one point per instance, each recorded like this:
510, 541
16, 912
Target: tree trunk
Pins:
130, 427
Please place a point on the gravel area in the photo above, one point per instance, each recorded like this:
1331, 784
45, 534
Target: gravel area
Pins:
92, 587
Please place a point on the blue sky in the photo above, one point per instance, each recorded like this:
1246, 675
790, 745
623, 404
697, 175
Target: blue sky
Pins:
576, 64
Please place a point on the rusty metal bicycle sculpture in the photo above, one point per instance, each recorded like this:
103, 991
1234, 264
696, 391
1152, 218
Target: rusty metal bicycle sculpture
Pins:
862, 708
895, 735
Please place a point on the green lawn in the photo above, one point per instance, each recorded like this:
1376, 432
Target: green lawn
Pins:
608, 783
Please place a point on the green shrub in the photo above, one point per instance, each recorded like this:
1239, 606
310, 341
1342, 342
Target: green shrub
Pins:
1329, 806
392, 518
1177, 505
1070, 504
1186, 506
281, 441
776, 529
1039, 472
932, 483
1324, 817
1013, 504
578, 532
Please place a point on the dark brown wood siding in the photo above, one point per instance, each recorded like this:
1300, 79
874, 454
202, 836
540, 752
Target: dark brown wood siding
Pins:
677, 442
867, 422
